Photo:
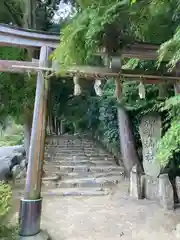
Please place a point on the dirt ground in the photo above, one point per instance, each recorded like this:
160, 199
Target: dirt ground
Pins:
116, 216
111, 217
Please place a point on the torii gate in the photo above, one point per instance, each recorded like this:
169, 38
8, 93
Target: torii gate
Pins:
30, 207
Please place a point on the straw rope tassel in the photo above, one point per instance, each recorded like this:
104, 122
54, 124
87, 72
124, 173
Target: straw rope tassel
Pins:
142, 91
77, 87
97, 87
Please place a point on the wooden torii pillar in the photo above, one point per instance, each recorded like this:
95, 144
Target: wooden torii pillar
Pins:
30, 205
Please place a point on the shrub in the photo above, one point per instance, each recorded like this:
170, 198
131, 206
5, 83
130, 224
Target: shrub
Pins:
5, 200
6, 232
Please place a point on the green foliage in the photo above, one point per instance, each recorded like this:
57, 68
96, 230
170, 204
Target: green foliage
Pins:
98, 115
44, 14
12, 135
166, 14
17, 91
171, 50
112, 24
7, 232
89, 30
11, 11
5, 199
154, 13
107, 129
170, 142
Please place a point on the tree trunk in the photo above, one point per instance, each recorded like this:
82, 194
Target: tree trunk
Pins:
27, 134
177, 88
163, 91
128, 151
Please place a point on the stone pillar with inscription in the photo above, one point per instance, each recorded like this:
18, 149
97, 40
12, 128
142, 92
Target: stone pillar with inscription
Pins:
156, 186
150, 132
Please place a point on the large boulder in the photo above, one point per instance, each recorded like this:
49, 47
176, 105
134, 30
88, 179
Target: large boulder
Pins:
5, 171
10, 157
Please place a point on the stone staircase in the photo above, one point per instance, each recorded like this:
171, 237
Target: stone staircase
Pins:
78, 166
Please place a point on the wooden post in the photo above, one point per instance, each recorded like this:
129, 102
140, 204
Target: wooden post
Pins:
30, 208
177, 84
127, 146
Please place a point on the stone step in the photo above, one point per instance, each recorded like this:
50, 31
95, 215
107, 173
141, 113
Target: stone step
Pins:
77, 175
75, 150
60, 158
84, 163
83, 176
57, 171
90, 182
76, 147
78, 166
99, 168
65, 151
60, 175
76, 192
79, 160
75, 139
79, 154
70, 141
65, 192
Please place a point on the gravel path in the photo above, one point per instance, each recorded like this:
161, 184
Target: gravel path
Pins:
109, 217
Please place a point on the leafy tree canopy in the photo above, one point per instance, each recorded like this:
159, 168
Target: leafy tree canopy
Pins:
17, 91
112, 24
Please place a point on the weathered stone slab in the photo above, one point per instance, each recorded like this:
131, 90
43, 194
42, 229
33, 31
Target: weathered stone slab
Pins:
135, 183
166, 194
150, 132
178, 187
151, 188
159, 190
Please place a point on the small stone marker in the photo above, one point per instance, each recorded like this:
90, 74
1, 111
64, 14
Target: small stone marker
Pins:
166, 194
135, 183
150, 132
151, 188
178, 187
